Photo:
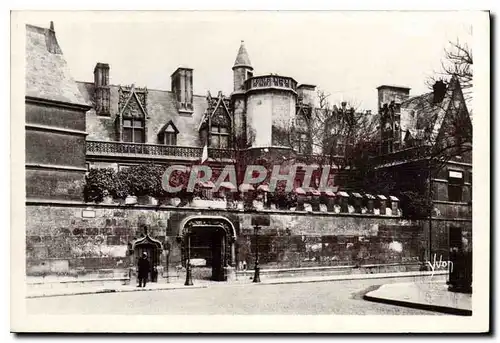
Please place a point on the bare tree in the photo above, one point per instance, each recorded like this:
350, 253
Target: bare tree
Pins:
457, 62
341, 135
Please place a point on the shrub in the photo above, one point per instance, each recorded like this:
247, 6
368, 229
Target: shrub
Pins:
99, 183
139, 180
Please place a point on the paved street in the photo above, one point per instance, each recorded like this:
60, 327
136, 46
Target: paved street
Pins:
338, 297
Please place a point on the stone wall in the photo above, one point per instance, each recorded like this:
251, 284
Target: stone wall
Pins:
71, 239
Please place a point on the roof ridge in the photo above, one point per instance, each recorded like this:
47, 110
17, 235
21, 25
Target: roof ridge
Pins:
149, 89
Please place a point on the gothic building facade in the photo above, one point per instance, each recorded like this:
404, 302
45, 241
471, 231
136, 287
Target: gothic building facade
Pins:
75, 127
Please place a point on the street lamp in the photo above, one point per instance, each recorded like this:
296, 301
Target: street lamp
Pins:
258, 220
256, 276
189, 279
167, 255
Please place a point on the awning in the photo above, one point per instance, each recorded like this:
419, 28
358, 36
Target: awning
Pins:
357, 195
329, 193
393, 198
314, 192
263, 188
369, 196
246, 187
382, 197
207, 184
227, 185
343, 194
300, 191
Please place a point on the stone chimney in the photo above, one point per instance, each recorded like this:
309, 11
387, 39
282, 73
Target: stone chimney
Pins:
388, 93
182, 87
439, 91
101, 89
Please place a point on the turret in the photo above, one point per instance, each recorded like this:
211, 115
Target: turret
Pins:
242, 69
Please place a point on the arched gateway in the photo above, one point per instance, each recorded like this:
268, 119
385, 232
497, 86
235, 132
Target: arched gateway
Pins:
152, 247
211, 238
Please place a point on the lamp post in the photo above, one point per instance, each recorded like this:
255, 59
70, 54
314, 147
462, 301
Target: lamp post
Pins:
258, 220
167, 255
189, 279
256, 276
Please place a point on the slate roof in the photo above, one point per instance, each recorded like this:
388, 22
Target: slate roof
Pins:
47, 73
160, 107
422, 117
242, 59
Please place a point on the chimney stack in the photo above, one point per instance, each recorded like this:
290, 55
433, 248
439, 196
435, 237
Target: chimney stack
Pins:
439, 91
182, 87
101, 89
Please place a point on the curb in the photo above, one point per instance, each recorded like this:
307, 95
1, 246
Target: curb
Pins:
355, 277
111, 290
264, 283
420, 306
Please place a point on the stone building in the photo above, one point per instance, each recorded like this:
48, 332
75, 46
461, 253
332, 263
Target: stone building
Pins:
119, 127
427, 140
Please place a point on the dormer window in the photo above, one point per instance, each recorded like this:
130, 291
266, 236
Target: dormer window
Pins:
133, 130
168, 134
219, 137
170, 138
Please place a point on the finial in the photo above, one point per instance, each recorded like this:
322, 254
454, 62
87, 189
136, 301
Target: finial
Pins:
52, 25
242, 41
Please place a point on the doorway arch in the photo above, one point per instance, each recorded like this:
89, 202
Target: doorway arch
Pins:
212, 238
153, 248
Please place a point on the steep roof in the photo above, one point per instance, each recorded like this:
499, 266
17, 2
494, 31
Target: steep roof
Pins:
242, 59
161, 109
47, 73
423, 117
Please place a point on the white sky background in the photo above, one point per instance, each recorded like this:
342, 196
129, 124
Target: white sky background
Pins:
346, 54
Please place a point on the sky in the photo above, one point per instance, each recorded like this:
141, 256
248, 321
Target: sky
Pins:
345, 54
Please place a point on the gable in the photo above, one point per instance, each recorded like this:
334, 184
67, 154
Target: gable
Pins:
169, 127
132, 103
220, 115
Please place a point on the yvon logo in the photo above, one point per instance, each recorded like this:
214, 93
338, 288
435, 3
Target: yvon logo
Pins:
439, 265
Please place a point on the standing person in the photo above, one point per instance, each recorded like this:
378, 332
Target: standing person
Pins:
143, 270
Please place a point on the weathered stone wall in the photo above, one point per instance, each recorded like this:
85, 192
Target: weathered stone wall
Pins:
55, 151
62, 239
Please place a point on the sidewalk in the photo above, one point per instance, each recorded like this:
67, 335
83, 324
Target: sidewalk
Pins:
55, 289
432, 296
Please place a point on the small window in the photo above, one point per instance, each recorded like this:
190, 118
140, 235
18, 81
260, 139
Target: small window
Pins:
455, 185
133, 131
302, 143
170, 138
219, 137
301, 122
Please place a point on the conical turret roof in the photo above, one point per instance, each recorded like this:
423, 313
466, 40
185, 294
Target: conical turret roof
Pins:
242, 59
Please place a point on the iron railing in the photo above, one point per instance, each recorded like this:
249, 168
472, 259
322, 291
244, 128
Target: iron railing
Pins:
120, 148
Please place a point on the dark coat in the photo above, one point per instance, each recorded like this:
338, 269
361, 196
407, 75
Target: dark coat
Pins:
143, 267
